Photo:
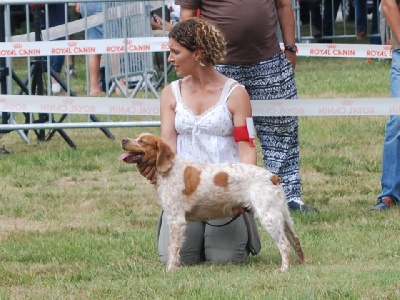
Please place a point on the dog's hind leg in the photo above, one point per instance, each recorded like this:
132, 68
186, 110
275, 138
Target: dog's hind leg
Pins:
294, 241
273, 223
176, 230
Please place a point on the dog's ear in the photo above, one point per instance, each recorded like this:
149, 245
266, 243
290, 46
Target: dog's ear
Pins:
165, 155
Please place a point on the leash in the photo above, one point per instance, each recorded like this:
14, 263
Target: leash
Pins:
227, 223
246, 210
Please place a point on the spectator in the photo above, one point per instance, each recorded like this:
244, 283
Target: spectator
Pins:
69, 62
324, 23
96, 73
56, 14
157, 23
93, 33
390, 179
266, 72
361, 10
198, 117
174, 12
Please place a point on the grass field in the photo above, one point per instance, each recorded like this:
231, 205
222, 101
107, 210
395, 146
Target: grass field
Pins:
78, 224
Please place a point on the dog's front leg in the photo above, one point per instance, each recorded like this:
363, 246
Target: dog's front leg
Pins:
176, 231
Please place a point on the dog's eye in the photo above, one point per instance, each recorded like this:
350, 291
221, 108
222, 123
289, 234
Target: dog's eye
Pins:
141, 142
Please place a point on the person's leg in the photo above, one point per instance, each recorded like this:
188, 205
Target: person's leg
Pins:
56, 63
56, 13
390, 178
93, 33
226, 244
94, 74
361, 15
375, 24
331, 8
70, 60
192, 251
316, 17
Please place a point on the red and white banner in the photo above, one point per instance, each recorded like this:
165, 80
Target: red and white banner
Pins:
151, 107
84, 47
160, 44
345, 50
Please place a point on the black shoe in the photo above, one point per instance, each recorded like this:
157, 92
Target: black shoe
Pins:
296, 206
384, 204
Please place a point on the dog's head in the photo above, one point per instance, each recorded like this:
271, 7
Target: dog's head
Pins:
147, 149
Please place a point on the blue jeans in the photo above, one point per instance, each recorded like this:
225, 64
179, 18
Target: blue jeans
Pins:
390, 179
361, 18
56, 17
89, 9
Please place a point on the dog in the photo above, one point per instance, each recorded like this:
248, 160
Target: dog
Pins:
191, 191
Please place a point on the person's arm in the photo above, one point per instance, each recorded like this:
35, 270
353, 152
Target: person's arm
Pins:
168, 132
286, 21
392, 15
157, 23
167, 112
187, 13
240, 107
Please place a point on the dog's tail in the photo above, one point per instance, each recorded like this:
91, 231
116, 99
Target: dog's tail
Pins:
294, 240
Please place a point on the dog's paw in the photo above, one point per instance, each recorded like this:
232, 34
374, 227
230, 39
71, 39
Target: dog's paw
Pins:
171, 266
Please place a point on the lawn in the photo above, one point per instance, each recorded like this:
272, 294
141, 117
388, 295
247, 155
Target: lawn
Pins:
79, 224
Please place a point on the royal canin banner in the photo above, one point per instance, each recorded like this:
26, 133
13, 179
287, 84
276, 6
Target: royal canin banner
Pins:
83, 47
160, 44
151, 107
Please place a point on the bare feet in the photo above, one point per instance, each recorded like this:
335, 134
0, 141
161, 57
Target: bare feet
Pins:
96, 93
122, 89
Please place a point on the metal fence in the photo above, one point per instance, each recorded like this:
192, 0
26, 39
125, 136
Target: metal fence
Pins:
136, 74
327, 21
122, 73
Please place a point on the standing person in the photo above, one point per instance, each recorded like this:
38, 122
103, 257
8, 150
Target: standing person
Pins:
255, 60
361, 8
97, 32
69, 62
390, 178
200, 114
56, 14
93, 33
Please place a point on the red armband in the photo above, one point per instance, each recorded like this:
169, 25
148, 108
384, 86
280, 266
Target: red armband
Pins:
243, 133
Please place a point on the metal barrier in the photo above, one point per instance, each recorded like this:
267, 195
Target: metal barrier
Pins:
127, 51
328, 21
131, 72
121, 21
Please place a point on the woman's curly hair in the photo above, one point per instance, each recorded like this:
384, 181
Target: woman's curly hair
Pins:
197, 33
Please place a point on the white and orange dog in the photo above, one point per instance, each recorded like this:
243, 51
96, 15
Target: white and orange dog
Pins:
190, 191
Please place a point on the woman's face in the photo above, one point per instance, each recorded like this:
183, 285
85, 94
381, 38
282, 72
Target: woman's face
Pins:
181, 58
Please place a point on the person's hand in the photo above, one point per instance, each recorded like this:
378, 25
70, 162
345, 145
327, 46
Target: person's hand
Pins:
148, 172
291, 56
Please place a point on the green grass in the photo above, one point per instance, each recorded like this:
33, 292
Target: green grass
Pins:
78, 224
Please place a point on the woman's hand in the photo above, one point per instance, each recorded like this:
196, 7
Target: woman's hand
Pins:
148, 172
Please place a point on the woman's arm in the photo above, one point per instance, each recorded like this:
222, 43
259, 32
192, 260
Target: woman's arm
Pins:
187, 13
392, 15
240, 107
167, 106
168, 132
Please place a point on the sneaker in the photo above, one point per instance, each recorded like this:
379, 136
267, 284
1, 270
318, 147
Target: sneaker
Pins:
55, 88
72, 72
296, 206
384, 204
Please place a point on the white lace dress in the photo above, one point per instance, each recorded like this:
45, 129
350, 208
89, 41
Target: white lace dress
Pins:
207, 137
